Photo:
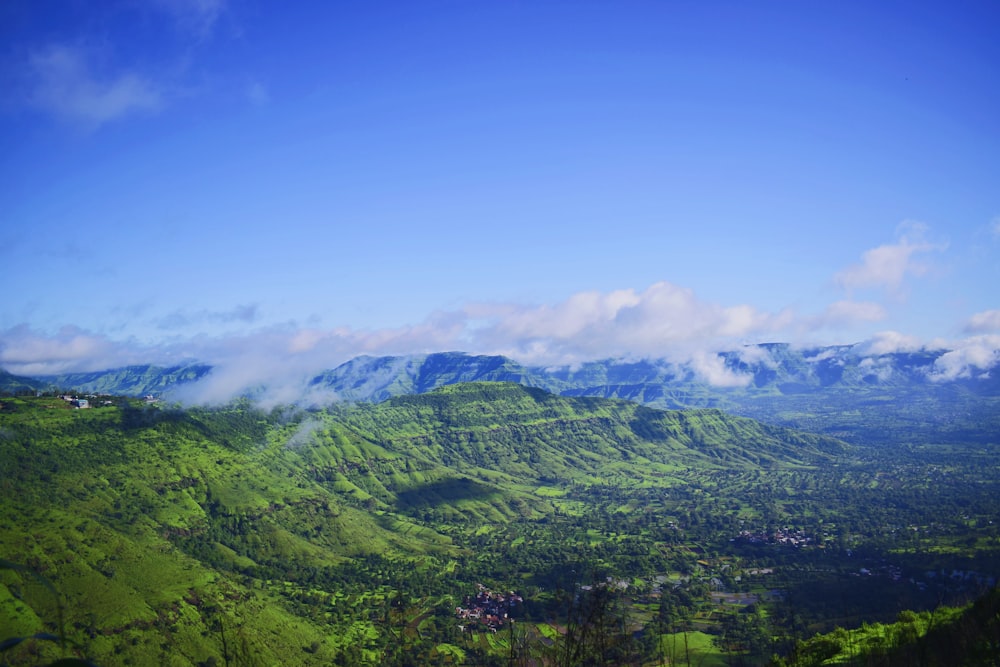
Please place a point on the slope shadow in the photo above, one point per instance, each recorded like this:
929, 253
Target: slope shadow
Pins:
444, 491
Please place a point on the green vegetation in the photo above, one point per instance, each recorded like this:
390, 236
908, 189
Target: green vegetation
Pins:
348, 535
945, 636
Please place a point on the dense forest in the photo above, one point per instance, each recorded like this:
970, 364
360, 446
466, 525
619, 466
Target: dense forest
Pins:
139, 533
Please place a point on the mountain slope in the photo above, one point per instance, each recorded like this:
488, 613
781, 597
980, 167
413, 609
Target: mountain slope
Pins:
163, 530
842, 390
151, 525
746, 381
766, 369
379, 378
477, 451
130, 380
16, 384
499, 420
348, 535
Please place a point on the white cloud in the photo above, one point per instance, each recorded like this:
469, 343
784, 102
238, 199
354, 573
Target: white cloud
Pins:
89, 85
881, 368
970, 358
822, 356
281, 361
63, 83
661, 319
304, 433
984, 322
579, 314
756, 355
887, 266
26, 352
889, 342
712, 368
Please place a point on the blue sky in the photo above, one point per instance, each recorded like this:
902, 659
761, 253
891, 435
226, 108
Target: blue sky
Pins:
270, 186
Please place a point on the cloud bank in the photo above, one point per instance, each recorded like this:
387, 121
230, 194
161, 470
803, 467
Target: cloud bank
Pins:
662, 321
890, 342
974, 357
24, 351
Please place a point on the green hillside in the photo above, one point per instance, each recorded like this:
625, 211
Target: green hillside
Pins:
11, 384
136, 516
846, 391
379, 378
150, 535
532, 433
843, 391
944, 636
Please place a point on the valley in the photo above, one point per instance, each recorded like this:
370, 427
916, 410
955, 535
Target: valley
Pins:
348, 534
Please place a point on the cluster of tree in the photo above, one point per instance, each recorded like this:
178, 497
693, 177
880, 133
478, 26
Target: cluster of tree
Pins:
946, 636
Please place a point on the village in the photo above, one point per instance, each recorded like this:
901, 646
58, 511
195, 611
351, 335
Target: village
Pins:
786, 536
89, 401
486, 610
84, 403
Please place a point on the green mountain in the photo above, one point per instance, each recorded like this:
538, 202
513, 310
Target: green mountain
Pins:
16, 384
158, 528
838, 390
755, 372
147, 535
842, 391
846, 392
128, 381
376, 379
529, 432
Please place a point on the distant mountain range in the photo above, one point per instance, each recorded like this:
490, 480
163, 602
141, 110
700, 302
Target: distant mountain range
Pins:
126, 381
762, 370
812, 388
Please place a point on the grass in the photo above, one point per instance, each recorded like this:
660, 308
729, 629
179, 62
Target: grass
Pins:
696, 648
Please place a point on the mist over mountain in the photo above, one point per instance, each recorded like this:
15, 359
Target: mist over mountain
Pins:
127, 381
814, 388
769, 369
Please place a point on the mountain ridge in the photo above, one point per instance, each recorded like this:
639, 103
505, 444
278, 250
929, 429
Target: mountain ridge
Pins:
837, 390
775, 367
